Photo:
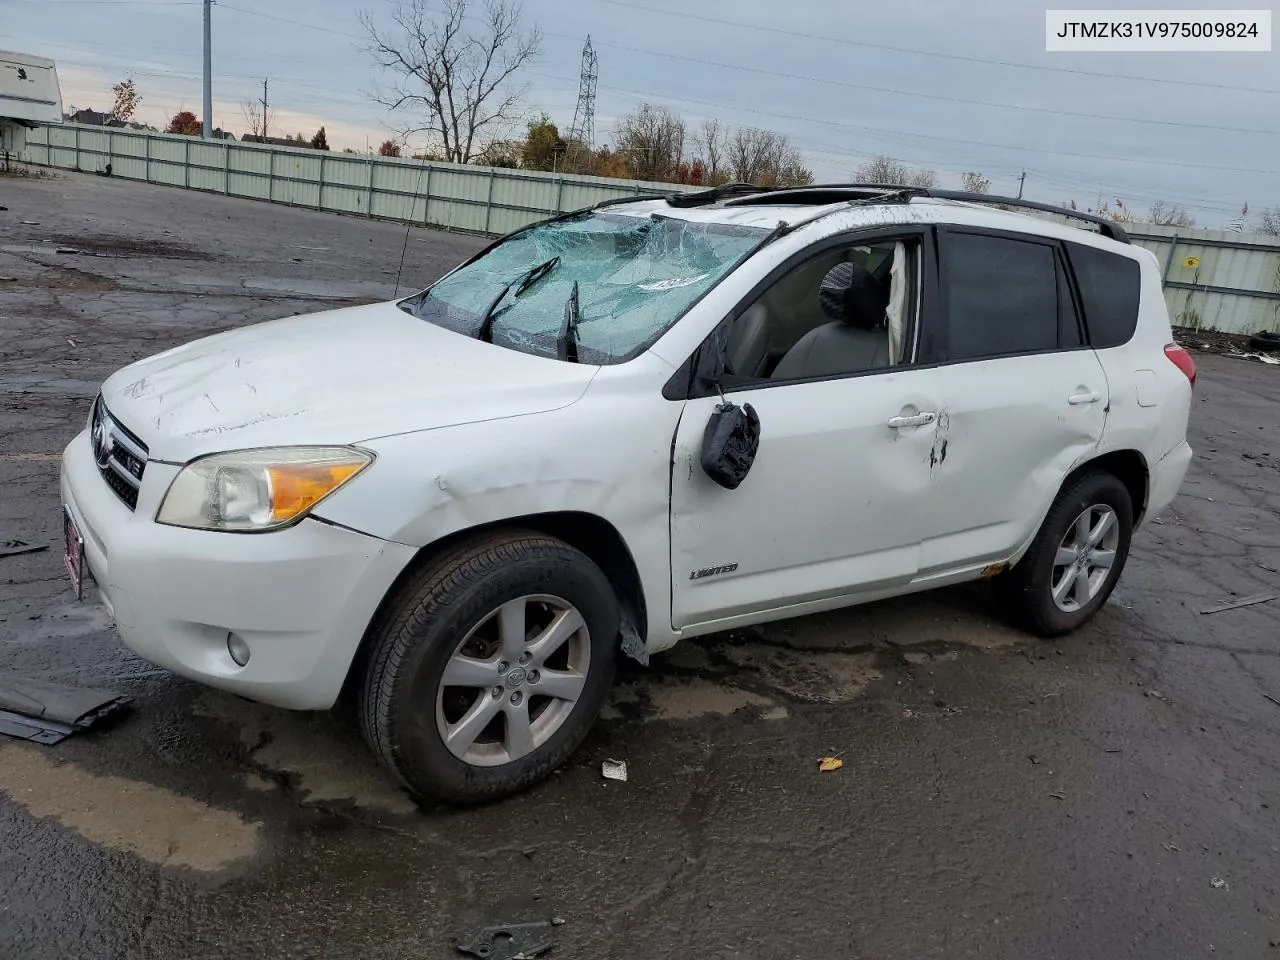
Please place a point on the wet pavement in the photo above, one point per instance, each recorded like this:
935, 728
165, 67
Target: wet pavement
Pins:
1112, 794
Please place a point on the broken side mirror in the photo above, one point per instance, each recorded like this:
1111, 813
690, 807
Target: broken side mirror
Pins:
730, 443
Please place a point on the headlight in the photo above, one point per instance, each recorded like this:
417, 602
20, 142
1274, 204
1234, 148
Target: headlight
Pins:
257, 490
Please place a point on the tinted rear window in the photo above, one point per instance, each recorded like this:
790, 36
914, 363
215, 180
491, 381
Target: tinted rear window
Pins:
1002, 296
1109, 288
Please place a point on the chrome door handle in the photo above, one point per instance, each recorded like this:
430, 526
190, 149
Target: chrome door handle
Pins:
1078, 398
919, 420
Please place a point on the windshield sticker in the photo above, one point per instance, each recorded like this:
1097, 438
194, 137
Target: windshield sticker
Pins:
675, 283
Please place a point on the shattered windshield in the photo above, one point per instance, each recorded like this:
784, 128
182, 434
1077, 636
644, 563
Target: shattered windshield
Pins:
636, 276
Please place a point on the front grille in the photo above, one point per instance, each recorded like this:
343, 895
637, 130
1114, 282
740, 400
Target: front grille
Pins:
121, 457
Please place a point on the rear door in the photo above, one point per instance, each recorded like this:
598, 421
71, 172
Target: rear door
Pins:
1024, 397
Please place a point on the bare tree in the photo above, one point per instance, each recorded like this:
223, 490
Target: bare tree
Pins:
765, 158
974, 182
1269, 221
1170, 215
712, 144
889, 171
458, 76
653, 140
257, 122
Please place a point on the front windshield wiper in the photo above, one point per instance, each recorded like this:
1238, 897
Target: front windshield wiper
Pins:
567, 344
524, 281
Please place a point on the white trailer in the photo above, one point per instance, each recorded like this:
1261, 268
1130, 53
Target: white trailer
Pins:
29, 95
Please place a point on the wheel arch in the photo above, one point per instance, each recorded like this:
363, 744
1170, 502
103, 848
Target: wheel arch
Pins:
1130, 468
592, 534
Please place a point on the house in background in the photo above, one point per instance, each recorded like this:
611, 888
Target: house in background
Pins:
273, 141
91, 117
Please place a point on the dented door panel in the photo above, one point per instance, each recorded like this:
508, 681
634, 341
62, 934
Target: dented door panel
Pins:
829, 507
1010, 431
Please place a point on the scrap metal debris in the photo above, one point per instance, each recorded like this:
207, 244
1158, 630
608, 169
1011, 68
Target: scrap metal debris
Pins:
1242, 602
1253, 356
12, 548
614, 770
47, 713
1219, 884
522, 934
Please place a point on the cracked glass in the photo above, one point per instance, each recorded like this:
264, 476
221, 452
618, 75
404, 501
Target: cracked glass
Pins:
636, 276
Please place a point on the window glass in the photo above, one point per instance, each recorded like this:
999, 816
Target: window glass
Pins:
1002, 296
636, 276
844, 311
1109, 288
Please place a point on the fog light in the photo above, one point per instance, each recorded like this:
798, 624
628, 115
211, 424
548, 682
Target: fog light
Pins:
238, 649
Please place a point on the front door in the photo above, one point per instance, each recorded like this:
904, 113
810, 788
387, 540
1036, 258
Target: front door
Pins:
831, 504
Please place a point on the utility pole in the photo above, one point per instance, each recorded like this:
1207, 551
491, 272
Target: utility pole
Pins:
264, 109
1021, 180
208, 70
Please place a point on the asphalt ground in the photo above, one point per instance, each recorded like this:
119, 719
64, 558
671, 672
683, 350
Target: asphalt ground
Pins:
1112, 794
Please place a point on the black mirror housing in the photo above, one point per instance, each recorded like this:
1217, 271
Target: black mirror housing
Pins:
730, 443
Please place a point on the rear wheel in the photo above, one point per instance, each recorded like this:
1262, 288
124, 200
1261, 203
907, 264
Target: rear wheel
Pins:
490, 667
1076, 558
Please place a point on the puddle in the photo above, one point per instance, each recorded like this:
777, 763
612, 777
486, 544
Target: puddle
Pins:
40, 386
109, 246
328, 764
160, 826
322, 289
813, 676
687, 699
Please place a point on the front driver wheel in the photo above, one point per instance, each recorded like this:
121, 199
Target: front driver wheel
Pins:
490, 667
1076, 558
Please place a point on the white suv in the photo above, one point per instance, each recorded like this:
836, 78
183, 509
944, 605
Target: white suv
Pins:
615, 429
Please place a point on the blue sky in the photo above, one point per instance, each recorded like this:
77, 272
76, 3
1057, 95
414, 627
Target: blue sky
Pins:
930, 82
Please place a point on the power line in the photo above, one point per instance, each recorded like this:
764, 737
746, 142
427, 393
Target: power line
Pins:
294, 23
113, 3
930, 96
898, 133
933, 53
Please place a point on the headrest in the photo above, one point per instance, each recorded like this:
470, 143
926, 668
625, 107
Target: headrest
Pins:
850, 294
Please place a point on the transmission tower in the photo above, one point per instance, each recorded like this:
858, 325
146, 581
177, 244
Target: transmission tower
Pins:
583, 132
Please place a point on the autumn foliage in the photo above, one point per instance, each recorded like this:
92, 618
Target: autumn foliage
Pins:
185, 122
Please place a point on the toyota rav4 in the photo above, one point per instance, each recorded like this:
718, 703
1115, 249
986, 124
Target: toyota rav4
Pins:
619, 428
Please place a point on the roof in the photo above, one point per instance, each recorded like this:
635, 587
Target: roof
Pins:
871, 205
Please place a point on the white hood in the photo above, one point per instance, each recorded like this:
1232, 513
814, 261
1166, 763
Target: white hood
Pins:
340, 376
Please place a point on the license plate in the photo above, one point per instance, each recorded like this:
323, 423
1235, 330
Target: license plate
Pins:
73, 552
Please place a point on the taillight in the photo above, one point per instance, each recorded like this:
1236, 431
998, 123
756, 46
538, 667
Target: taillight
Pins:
1182, 360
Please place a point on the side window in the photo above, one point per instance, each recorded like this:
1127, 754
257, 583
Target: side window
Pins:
845, 311
1002, 296
1109, 290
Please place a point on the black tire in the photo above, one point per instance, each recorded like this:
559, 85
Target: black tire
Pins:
419, 631
1267, 341
1026, 590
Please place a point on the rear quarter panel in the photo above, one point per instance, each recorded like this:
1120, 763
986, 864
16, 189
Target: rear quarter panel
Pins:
1150, 398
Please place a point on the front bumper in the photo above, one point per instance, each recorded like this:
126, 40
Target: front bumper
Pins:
300, 598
